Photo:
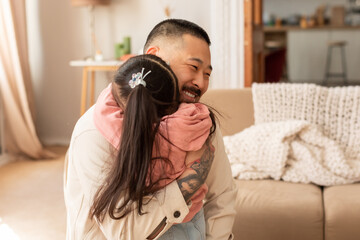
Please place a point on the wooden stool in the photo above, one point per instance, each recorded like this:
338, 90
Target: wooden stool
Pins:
328, 73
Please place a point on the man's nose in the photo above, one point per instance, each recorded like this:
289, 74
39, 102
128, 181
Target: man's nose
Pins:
199, 81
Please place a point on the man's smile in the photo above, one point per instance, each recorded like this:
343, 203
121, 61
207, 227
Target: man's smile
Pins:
190, 94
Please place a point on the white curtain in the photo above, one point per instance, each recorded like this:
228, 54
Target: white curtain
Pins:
15, 84
227, 36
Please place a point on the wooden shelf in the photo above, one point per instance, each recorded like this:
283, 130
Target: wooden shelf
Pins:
268, 29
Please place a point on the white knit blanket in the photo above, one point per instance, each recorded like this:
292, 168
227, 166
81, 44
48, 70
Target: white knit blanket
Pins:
302, 133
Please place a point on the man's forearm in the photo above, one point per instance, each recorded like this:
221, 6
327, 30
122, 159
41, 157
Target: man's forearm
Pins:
195, 175
191, 180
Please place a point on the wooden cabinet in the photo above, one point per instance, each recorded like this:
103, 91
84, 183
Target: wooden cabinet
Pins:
254, 42
306, 48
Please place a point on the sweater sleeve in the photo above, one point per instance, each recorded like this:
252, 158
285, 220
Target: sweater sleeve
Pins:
219, 207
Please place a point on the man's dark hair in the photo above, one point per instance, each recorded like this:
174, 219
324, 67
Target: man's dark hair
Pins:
176, 28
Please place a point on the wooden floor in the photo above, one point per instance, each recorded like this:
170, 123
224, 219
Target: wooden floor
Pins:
31, 199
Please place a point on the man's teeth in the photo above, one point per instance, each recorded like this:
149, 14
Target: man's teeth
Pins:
189, 94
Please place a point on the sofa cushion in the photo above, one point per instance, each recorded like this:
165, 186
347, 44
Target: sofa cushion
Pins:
235, 107
342, 212
268, 209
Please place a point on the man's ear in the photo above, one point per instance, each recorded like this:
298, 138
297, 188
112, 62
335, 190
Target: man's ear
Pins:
153, 50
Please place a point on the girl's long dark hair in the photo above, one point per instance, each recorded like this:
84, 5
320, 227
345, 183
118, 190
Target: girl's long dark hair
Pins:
128, 179
143, 109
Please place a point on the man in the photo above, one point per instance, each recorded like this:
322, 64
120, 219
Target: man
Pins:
185, 47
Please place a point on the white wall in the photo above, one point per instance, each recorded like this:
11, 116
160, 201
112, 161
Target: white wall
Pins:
59, 33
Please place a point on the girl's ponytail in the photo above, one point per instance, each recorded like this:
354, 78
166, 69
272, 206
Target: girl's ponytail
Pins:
140, 125
144, 105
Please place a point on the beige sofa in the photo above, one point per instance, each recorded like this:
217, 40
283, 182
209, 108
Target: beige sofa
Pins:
277, 210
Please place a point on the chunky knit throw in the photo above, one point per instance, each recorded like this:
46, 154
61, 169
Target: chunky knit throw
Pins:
302, 133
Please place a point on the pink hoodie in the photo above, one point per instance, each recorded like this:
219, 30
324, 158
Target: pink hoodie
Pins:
185, 130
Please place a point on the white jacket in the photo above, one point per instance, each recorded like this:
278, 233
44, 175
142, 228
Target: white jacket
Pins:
87, 153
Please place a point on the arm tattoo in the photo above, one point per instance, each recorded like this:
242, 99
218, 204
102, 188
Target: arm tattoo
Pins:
191, 183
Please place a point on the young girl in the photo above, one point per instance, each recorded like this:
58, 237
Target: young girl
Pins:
140, 115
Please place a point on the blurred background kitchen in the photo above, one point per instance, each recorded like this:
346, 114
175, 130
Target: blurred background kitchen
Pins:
311, 41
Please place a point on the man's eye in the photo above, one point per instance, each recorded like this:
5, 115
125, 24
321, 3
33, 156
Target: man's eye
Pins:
194, 67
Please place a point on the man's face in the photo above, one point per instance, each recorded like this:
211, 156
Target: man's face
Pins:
190, 60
